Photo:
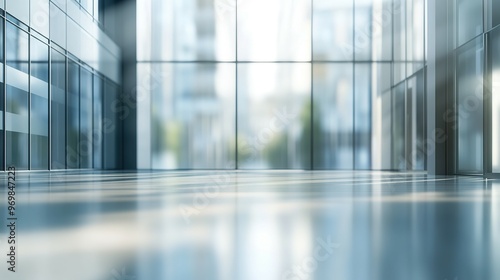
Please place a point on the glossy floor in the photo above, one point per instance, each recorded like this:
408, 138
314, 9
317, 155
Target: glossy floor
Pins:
252, 225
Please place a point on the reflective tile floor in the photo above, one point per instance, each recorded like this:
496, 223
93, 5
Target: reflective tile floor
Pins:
252, 225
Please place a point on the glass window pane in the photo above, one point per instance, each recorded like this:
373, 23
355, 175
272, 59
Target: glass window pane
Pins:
58, 111
495, 93
186, 30
274, 116
87, 5
16, 121
363, 24
333, 30
493, 13
415, 127
40, 18
112, 128
382, 29
268, 28
16, 111
362, 116
333, 116
73, 126
97, 132
469, 19
19, 9
57, 25
399, 42
415, 37
193, 116
381, 116
398, 127
16, 50
39, 105
85, 146
470, 107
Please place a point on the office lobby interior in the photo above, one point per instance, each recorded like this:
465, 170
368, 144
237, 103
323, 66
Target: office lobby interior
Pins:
249, 139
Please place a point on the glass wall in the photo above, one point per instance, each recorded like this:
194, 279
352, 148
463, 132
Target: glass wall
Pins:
97, 132
321, 84
58, 110
47, 101
86, 125
39, 117
17, 96
469, 19
73, 116
495, 98
333, 116
193, 116
474, 96
470, 107
274, 117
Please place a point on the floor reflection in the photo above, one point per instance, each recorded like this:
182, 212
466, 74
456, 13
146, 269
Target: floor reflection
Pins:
254, 225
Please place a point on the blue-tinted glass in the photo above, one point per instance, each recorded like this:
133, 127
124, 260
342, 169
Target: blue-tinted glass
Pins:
399, 160
39, 105
39, 60
86, 145
57, 25
470, 107
363, 24
112, 128
19, 9
469, 19
186, 30
333, 30
40, 16
362, 116
16, 120
274, 116
415, 130
193, 116
73, 126
97, 132
493, 11
16, 110
16, 49
399, 29
333, 116
58, 111
495, 99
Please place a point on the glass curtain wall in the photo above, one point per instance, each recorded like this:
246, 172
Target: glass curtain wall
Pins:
303, 84
17, 96
475, 96
494, 85
52, 111
39, 112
